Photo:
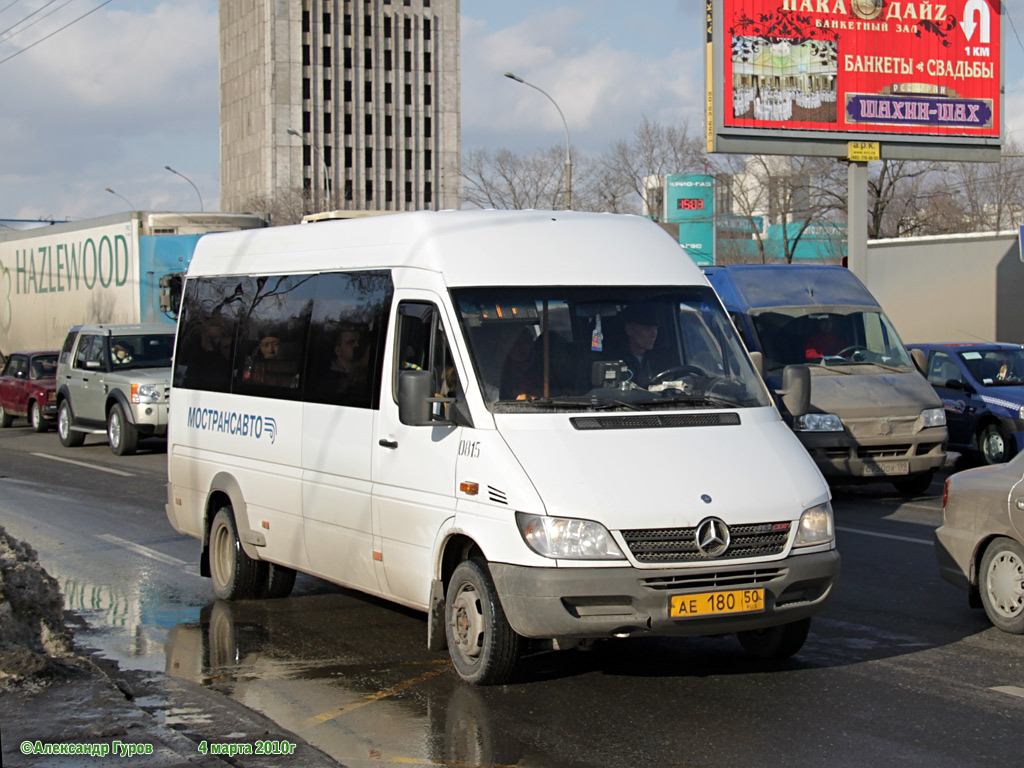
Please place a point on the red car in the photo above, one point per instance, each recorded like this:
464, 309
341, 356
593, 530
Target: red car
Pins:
28, 387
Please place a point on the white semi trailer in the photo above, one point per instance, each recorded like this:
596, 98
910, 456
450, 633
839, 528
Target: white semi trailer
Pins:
121, 268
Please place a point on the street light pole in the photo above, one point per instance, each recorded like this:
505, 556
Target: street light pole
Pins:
186, 178
327, 178
568, 157
130, 205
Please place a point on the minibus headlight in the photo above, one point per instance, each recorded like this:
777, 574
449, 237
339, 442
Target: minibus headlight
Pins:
933, 417
566, 538
145, 393
819, 422
815, 526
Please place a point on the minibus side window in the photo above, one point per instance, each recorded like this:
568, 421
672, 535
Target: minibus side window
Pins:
207, 331
423, 346
272, 337
346, 338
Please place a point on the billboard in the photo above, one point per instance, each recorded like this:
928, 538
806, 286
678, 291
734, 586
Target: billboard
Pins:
690, 203
920, 77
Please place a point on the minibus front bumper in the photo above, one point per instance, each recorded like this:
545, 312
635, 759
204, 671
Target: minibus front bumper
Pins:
578, 603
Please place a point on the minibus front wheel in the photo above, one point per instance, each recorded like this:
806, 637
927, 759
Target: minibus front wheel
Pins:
483, 646
236, 576
778, 642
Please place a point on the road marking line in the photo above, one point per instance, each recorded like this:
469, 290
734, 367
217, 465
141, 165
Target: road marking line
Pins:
886, 536
84, 464
144, 551
324, 717
1011, 690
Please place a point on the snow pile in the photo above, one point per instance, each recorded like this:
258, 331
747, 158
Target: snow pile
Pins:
33, 640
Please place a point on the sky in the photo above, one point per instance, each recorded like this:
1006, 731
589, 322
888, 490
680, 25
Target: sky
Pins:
104, 94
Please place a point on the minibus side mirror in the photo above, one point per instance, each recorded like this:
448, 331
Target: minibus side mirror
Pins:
796, 389
920, 361
416, 400
757, 358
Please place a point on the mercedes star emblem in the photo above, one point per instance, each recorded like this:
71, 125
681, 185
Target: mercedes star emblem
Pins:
712, 537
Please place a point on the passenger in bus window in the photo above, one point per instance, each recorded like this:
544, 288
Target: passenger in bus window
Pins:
267, 367
347, 372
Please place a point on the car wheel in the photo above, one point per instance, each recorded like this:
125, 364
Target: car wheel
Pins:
483, 646
914, 485
35, 417
779, 642
279, 582
68, 437
994, 445
121, 433
1002, 585
5, 418
236, 576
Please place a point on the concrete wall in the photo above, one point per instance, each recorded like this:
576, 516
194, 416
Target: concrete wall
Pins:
950, 288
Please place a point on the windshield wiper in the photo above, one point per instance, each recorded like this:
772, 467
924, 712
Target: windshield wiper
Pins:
694, 400
596, 403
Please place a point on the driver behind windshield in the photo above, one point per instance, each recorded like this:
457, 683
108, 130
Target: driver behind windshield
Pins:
640, 325
823, 341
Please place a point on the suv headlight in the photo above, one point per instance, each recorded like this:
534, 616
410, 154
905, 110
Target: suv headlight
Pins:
566, 538
818, 422
815, 526
145, 393
933, 417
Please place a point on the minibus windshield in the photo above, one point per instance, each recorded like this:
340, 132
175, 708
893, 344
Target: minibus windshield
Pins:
543, 349
828, 336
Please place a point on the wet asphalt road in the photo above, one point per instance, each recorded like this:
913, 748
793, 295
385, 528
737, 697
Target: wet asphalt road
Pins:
897, 668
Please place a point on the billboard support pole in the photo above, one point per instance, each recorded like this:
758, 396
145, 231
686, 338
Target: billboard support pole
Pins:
857, 219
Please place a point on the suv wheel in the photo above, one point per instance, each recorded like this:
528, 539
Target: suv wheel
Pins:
68, 437
5, 418
122, 434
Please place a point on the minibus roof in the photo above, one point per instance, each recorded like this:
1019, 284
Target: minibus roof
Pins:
468, 248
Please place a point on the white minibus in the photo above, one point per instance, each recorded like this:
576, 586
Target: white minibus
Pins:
538, 427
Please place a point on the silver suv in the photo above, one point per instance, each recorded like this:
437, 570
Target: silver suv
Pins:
114, 379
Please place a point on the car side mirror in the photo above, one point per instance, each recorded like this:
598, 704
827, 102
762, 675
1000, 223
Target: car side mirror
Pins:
416, 401
757, 358
920, 361
796, 389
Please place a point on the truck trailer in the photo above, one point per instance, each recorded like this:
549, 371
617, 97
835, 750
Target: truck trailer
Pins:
122, 268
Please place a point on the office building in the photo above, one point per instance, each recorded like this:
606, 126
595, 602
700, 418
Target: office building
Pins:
339, 104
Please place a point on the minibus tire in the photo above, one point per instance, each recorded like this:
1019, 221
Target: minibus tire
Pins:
236, 576
779, 642
279, 582
483, 646
914, 485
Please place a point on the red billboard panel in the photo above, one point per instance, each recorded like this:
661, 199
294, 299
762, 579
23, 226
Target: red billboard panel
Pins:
866, 67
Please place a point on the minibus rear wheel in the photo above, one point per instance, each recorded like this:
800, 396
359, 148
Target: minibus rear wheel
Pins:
279, 581
779, 642
483, 646
236, 576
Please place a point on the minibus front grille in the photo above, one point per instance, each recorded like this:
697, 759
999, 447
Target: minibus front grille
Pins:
651, 420
716, 580
676, 545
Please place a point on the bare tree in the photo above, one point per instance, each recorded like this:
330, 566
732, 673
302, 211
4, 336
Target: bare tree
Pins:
655, 150
283, 207
800, 195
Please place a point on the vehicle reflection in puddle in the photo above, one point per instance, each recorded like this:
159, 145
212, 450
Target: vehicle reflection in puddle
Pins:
353, 702
127, 623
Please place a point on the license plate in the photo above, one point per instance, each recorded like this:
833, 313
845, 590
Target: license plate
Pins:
884, 468
716, 603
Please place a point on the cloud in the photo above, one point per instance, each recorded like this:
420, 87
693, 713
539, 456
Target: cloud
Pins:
108, 102
603, 86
